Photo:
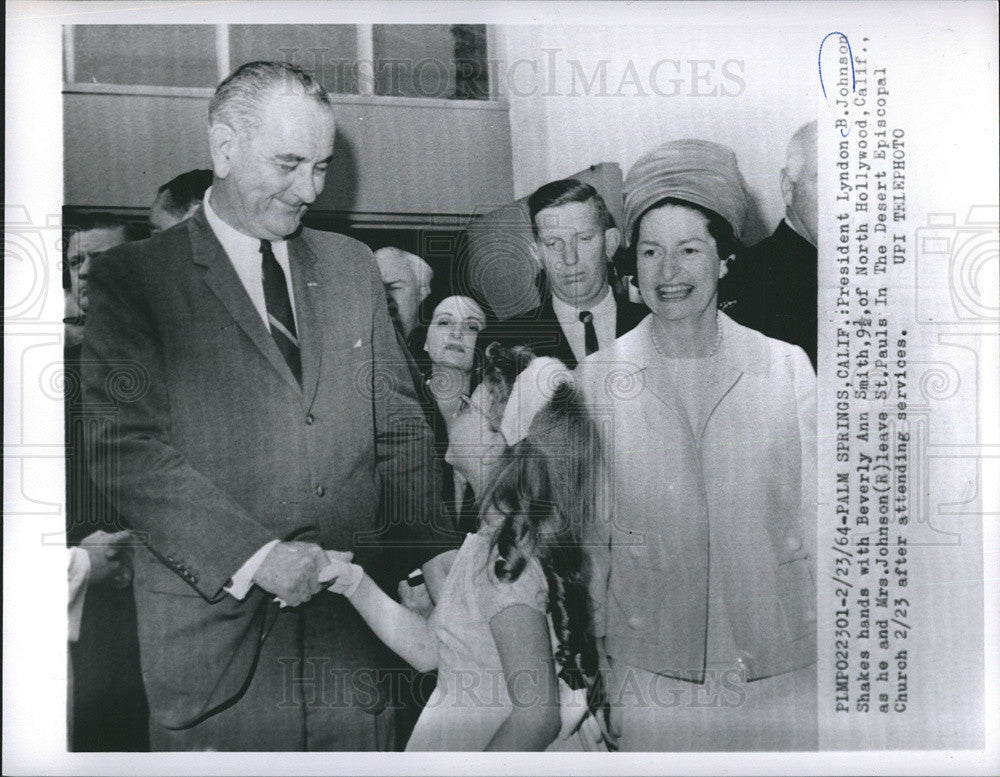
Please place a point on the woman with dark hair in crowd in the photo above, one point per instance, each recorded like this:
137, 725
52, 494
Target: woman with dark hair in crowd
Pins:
703, 572
445, 353
508, 635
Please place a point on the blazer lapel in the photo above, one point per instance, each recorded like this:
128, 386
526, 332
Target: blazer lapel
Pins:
651, 370
307, 288
222, 280
739, 354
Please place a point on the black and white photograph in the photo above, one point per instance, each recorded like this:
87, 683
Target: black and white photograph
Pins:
610, 386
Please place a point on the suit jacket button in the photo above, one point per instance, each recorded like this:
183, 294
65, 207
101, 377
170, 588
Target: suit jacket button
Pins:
320, 490
793, 542
170, 558
194, 578
635, 622
310, 419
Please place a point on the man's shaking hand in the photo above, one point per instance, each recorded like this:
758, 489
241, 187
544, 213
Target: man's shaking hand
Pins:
291, 571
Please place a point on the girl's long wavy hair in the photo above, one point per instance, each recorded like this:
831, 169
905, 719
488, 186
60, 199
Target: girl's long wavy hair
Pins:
544, 490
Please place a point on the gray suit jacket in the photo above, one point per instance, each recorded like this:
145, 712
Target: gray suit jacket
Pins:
209, 447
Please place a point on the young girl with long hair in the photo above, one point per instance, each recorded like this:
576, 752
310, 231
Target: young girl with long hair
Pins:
508, 635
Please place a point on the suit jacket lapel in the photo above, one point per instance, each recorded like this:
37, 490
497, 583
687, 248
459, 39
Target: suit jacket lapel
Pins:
221, 278
740, 352
307, 288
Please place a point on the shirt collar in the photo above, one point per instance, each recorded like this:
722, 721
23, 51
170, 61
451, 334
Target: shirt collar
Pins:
567, 313
235, 243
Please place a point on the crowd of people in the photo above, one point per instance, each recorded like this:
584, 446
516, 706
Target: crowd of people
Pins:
343, 524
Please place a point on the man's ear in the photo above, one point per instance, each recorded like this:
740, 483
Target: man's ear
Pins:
221, 144
612, 239
787, 186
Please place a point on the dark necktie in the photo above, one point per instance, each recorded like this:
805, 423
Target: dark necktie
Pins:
279, 311
589, 333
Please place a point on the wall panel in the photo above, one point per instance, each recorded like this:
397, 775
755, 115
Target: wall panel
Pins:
392, 156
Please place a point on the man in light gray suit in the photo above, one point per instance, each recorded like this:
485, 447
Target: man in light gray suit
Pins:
257, 412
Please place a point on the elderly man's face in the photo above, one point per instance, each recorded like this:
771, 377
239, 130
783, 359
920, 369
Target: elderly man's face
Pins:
83, 246
401, 285
804, 199
270, 175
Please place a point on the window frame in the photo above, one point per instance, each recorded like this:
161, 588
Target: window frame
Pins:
364, 34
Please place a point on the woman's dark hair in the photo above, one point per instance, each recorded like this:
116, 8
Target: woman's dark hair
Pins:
545, 491
720, 229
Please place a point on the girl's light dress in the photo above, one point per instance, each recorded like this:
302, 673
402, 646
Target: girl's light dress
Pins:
471, 700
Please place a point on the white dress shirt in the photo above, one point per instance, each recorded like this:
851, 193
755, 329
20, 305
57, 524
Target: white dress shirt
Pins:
605, 314
244, 254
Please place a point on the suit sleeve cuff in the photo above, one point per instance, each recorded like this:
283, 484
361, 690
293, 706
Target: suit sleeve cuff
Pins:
242, 581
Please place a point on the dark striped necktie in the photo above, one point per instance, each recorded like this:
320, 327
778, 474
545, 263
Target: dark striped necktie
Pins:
279, 311
589, 333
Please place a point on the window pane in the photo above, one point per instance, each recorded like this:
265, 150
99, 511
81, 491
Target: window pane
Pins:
146, 54
328, 52
431, 60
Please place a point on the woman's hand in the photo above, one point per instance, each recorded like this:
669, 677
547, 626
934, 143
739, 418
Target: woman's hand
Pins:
578, 719
609, 732
572, 709
340, 575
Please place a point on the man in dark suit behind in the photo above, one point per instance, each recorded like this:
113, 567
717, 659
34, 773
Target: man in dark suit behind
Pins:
255, 405
772, 286
575, 239
107, 703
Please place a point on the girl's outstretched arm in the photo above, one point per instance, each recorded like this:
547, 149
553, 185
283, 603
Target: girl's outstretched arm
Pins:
521, 634
404, 631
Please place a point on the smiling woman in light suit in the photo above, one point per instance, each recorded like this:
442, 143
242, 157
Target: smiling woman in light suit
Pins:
703, 571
